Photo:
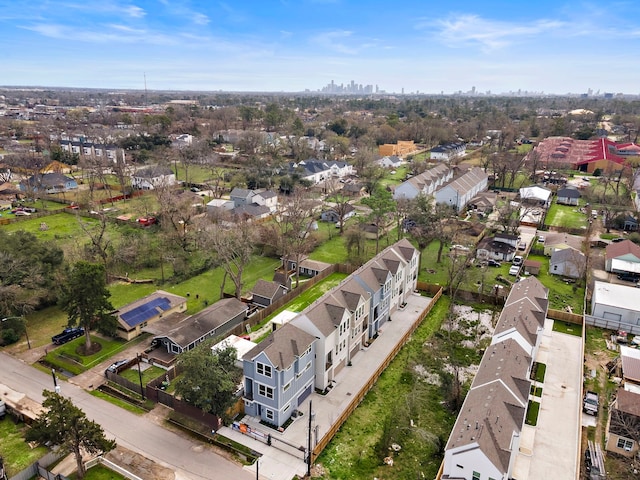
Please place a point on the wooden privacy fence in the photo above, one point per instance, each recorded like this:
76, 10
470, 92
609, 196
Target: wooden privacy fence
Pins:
565, 316
324, 441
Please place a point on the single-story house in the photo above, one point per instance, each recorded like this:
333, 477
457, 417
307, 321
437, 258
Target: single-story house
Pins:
215, 320
390, 161
630, 224
568, 196
48, 183
264, 293
624, 424
353, 189
242, 346
135, 316
622, 257
536, 195
311, 268
490, 248
333, 214
568, 262
153, 177
560, 241
484, 202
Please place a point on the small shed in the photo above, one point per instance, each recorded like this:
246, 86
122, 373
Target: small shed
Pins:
532, 267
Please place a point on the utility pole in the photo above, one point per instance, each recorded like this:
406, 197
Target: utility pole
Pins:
56, 387
140, 377
309, 442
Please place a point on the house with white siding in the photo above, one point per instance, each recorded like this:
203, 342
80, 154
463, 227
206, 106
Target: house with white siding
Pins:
485, 439
425, 183
458, 192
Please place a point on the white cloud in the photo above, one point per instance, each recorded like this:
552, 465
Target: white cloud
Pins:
466, 30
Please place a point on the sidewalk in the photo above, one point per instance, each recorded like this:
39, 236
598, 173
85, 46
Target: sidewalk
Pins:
280, 465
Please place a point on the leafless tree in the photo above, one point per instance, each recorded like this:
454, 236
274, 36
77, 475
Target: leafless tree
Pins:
235, 246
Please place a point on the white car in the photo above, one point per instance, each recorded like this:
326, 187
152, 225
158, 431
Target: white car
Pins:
514, 270
517, 260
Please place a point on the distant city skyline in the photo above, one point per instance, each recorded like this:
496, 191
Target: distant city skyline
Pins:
293, 46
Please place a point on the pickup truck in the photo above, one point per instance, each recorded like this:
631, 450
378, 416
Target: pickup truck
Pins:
67, 335
590, 403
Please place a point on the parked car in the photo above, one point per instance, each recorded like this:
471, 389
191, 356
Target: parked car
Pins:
616, 240
21, 213
540, 238
67, 335
113, 368
514, 270
517, 260
590, 403
628, 277
494, 263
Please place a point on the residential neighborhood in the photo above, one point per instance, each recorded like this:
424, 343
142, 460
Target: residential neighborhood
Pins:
303, 295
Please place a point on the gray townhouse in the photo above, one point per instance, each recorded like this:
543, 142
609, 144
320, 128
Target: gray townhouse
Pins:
340, 324
279, 374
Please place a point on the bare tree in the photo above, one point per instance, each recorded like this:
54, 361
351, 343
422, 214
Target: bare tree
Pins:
235, 246
290, 231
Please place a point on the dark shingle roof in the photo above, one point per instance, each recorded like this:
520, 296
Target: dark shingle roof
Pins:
282, 346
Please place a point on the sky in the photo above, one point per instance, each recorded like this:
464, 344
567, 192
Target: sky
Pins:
423, 46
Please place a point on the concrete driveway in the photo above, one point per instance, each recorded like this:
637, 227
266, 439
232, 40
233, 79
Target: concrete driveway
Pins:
551, 449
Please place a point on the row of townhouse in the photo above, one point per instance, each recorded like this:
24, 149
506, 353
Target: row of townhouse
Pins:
485, 439
448, 151
90, 149
308, 353
461, 190
425, 183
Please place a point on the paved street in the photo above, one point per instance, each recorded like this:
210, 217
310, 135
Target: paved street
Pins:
190, 461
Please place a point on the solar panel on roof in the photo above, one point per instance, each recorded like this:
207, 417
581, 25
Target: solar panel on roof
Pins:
146, 311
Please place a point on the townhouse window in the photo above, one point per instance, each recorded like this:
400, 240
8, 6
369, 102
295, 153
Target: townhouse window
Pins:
263, 369
475, 476
625, 444
286, 408
286, 387
265, 391
269, 414
307, 367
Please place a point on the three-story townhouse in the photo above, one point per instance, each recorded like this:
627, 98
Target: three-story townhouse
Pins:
279, 374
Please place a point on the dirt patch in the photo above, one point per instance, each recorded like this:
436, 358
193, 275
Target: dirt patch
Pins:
139, 465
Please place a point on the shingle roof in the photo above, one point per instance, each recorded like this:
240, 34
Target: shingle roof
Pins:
283, 346
618, 249
266, 289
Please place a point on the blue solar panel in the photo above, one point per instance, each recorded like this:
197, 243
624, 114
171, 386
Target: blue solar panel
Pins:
145, 312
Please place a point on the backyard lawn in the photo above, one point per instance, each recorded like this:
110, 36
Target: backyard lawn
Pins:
566, 216
16, 452
561, 293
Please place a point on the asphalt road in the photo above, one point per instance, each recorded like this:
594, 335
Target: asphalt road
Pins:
190, 461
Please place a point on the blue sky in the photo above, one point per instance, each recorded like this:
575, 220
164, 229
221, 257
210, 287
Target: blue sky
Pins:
291, 45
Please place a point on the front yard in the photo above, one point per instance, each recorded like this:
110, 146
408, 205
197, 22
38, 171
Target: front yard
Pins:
17, 453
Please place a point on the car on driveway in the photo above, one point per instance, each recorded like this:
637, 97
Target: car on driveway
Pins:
517, 260
514, 270
493, 263
628, 277
113, 368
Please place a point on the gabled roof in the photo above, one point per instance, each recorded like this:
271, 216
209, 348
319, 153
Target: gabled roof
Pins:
569, 255
241, 192
630, 363
467, 182
147, 307
48, 180
619, 249
628, 402
569, 193
283, 346
573, 241
266, 289
251, 210
535, 193
153, 172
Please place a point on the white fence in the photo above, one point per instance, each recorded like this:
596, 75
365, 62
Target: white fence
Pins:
612, 324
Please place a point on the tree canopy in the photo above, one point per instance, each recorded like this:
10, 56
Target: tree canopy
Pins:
209, 380
67, 426
85, 298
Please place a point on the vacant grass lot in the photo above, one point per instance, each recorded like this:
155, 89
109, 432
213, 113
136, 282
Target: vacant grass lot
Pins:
148, 374
61, 228
16, 452
565, 216
99, 472
399, 396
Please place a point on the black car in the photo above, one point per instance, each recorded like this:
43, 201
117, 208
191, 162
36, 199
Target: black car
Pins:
628, 277
67, 335
494, 263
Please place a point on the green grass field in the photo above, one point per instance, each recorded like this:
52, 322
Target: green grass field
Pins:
561, 293
351, 454
17, 453
565, 216
99, 472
